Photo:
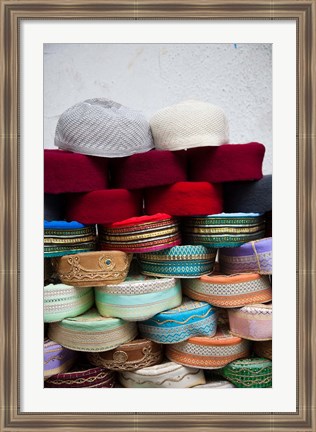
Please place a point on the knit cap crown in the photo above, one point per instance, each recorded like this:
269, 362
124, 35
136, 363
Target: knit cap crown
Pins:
189, 124
101, 127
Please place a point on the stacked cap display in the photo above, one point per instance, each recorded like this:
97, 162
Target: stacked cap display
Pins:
101, 127
189, 124
63, 238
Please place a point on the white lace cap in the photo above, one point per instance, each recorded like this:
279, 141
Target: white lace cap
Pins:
101, 127
189, 124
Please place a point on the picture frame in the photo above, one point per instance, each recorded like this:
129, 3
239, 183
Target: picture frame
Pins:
12, 12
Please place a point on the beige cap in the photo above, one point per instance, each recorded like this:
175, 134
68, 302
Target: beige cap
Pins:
189, 124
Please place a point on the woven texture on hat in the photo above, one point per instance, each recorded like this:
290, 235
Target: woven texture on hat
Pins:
224, 230
179, 261
191, 318
189, 124
255, 196
153, 168
229, 291
200, 352
141, 234
90, 332
226, 163
70, 172
104, 206
101, 127
138, 298
65, 301
184, 199
249, 373
54, 207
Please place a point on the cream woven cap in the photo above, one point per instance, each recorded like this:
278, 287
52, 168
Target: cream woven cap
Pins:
101, 127
189, 124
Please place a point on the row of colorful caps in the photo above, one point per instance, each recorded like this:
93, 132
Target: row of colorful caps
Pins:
112, 267
100, 330
143, 356
244, 373
155, 233
66, 172
177, 329
140, 297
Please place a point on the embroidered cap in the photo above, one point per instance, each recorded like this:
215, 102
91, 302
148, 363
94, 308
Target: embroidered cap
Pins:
253, 322
209, 352
166, 375
137, 354
229, 291
65, 301
141, 234
64, 238
175, 325
138, 297
224, 229
249, 373
57, 358
90, 332
93, 268
179, 261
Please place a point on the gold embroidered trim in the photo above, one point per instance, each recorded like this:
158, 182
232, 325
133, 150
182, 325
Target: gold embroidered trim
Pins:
178, 379
88, 380
119, 238
150, 258
120, 360
54, 240
225, 230
92, 341
141, 226
209, 312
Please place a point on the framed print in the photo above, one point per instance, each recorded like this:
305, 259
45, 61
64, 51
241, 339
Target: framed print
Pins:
269, 55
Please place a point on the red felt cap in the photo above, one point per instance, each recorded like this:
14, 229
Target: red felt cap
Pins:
153, 168
185, 199
73, 172
140, 220
226, 163
104, 206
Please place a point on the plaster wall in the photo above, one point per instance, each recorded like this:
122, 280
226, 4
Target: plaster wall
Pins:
147, 77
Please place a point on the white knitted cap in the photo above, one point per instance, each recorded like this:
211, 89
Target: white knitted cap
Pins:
189, 124
101, 127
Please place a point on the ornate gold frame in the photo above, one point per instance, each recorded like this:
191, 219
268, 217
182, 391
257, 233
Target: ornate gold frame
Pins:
304, 13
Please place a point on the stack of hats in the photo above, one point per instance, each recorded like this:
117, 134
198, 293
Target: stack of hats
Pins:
157, 251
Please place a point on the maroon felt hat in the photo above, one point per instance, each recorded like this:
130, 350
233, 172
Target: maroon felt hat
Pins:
226, 163
153, 168
73, 172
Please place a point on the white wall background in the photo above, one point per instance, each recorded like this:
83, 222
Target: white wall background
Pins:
147, 77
